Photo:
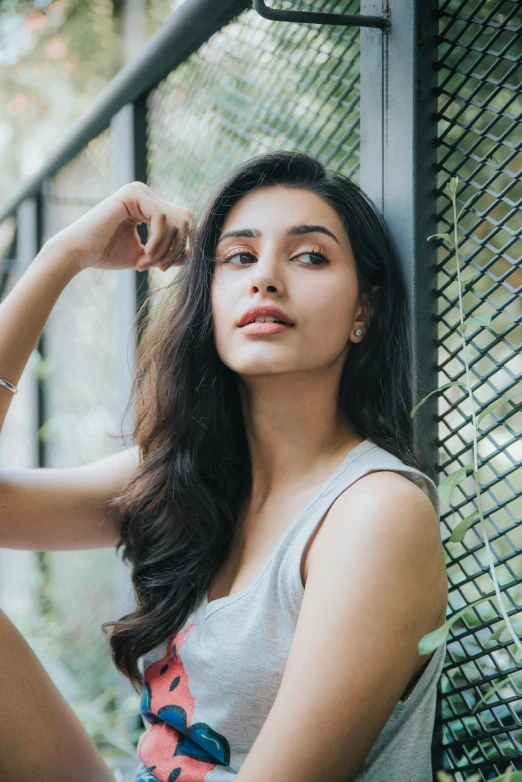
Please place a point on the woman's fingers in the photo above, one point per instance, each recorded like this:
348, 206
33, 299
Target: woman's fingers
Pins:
171, 227
163, 249
175, 246
158, 231
107, 237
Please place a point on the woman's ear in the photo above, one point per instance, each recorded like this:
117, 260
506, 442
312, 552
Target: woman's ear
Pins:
364, 315
368, 308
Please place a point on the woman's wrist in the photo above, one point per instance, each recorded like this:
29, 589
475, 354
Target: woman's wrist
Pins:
62, 258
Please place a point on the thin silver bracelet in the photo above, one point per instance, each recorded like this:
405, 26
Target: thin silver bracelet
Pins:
8, 385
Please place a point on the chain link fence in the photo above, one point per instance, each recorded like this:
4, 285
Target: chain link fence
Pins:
479, 140
253, 87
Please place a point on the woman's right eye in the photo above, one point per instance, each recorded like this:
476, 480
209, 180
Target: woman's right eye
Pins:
227, 258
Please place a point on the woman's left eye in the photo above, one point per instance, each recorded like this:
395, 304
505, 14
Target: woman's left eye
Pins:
322, 256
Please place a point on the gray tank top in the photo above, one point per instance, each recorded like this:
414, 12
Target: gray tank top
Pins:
208, 690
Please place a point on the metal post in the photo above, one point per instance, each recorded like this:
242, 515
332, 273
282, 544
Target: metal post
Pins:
28, 246
398, 145
129, 144
398, 171
129, 137
30, 397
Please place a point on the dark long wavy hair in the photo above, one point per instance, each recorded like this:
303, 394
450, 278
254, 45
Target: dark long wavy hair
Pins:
180, 508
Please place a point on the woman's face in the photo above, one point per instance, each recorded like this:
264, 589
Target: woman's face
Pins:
275, 260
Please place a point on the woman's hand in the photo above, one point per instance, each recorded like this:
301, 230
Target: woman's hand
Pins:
106, 237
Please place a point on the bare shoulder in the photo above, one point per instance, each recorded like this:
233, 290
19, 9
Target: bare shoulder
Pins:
380, 490
371, 501
385, 512
385, 504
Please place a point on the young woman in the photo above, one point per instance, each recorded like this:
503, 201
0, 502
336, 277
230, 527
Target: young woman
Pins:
282, 532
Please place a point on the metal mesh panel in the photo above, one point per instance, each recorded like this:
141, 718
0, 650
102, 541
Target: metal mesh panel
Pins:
479, 141
256, 86
80, 404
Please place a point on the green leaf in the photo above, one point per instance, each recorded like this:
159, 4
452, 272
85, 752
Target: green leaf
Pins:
493, 406
446, 486
483, 319
494, 688
440, 388
446, 238
451, 187
466, 282
504, 629
475, 195
496, 635
457, 536
462, 327
431, 641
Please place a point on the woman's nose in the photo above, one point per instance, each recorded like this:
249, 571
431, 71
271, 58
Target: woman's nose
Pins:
267, 273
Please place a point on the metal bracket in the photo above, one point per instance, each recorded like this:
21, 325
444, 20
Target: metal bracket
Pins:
316, 17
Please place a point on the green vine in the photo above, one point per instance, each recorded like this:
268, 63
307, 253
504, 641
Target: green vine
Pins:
436, 638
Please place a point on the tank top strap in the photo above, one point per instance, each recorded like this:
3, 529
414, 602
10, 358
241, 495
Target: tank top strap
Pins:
372, 458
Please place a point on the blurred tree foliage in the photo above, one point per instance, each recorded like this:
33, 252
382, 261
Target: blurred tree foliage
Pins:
55, 58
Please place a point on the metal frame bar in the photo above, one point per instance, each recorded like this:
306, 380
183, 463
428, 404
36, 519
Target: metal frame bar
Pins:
8, 264
398, 156
28, 241
398, 171
129, 154
319, 17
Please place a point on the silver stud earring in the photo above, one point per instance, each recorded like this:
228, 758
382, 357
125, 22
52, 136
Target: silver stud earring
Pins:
358, 332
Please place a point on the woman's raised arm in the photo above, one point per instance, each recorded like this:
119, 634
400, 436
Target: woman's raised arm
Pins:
67, 508
60, 508
105, 237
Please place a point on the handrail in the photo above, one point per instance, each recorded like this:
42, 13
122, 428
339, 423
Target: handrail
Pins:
319, 17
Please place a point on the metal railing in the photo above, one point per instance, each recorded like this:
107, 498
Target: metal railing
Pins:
479, 140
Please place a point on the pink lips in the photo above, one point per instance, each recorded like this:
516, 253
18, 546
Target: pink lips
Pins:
266, 311
265, 328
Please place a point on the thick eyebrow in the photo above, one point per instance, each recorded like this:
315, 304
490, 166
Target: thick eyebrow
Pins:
294, 230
